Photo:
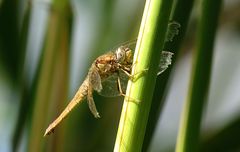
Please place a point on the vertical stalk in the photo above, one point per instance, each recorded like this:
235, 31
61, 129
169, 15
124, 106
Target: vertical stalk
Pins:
180, 13
51, 89
25, 91
188, 136
135, 113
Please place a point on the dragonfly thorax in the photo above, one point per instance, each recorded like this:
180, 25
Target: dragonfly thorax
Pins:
104, 67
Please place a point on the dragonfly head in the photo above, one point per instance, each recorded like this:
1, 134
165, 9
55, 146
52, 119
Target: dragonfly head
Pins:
124, 55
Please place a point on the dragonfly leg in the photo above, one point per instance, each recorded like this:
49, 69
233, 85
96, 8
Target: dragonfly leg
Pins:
91, 104
123, 94
136, 76
120, 87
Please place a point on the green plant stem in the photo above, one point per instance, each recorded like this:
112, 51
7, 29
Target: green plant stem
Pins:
10, 52
151, 37
51, 87
188, 136
25, 85
180, 14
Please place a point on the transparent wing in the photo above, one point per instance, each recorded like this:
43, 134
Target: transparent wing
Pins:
110, 86
165, 61
173, 29
95, 80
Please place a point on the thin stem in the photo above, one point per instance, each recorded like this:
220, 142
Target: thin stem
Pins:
188, 136
180, 14
134, 115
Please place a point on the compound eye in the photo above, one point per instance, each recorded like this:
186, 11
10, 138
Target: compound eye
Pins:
120, 54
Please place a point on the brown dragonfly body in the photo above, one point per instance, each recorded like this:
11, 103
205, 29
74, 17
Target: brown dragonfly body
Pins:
108, 75
103, 67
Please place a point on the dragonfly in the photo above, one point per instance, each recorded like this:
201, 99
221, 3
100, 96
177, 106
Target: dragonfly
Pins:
109, 74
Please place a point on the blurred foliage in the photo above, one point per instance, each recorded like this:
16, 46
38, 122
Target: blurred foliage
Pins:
224, 140
188, 136
52, 83
11, 55
43, 90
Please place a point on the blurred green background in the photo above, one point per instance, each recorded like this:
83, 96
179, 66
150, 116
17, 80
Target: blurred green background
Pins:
46, 48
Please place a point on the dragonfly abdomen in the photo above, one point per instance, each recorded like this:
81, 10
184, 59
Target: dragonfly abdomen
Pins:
79, 96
